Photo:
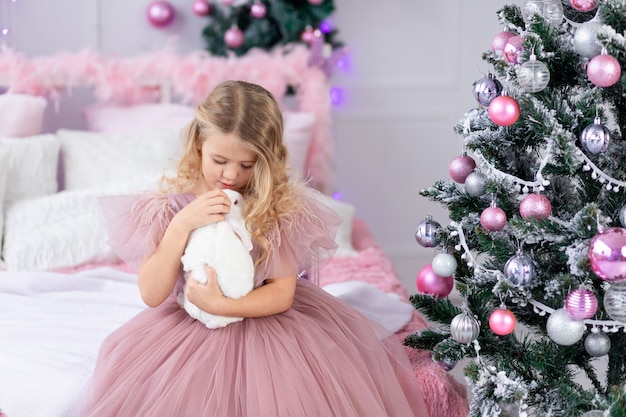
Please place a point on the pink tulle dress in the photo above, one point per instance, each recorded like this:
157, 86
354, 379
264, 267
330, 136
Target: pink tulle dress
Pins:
321, 358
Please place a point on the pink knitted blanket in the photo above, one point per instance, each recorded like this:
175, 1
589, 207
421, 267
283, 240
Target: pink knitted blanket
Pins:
444, 396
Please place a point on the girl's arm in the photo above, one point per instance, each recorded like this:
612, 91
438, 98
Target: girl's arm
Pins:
274, 297
159, 271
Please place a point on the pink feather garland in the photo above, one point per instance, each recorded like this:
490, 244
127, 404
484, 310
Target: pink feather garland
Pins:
163, 75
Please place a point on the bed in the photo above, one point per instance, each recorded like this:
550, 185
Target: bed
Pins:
62, 291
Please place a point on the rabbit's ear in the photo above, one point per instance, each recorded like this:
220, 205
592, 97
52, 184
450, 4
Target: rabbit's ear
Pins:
239, 227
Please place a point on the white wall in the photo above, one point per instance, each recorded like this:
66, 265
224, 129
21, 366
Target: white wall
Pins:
413, 63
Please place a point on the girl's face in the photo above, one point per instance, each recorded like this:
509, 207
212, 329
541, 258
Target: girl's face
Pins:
226, 163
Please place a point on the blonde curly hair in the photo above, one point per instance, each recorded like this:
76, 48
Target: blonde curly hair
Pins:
251, 113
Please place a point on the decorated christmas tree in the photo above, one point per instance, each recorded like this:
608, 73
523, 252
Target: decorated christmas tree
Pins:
236, 26
536, 242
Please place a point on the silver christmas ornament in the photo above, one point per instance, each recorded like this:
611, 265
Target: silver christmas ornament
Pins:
426, 232
464, 328
596, 137
564, 330
476, 184
520, 269
551, 10
585, 41
615, 301
533, 75
444, 264
597, 344
486, 89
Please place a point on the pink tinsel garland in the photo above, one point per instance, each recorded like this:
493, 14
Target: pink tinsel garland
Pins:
159, 75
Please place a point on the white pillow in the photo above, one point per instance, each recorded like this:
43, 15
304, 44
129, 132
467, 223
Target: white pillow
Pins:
92, 158
136, 118
32, 167
62, 230
4, 171
21, 115
129, 119
343, 239
298, 133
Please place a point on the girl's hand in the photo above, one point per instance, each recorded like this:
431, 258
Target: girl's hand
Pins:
210, 207
208, 297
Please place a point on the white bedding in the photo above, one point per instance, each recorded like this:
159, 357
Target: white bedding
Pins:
51, 326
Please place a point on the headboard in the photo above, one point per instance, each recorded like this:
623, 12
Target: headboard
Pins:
166, 76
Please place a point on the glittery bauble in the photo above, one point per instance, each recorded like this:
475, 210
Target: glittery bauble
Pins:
503, 110
464, 328
426, 232
258, 10
160, 13
201, 7
564, 330
233, 38
460, 167
581, 304
428, 282
502, 322
551, 10
533, 76
607, 254
597, 344
316, 2
513, 49
615, 301
520, 269
486, 89
583, 5
585, 41
499, 41
622, 216
493, 219
476, 184
444, 264
535, 206
595, 138
603, 70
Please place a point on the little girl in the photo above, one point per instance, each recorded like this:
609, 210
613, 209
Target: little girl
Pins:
299, 351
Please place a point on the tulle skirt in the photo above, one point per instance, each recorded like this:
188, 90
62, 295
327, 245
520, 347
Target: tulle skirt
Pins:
320, 358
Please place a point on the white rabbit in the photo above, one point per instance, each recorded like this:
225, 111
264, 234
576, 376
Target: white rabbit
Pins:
225, 246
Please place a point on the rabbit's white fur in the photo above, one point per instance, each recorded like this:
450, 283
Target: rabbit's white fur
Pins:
225, 246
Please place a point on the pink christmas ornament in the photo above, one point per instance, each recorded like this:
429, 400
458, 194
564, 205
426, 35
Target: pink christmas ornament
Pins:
428, 282
503, 110
583, 5
160, 13
581, 304
201, 7
607, 254
316, 2
460, 167
499, 41
493, 219
603, 70
535, 206
502, 321
233, 38
258, 10
308, 35
512, 49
